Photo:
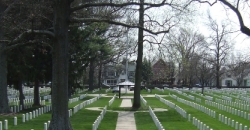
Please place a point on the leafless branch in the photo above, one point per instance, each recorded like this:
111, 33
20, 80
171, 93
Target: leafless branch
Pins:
117, 23
15, 43
207, 2
115, 5
26, 43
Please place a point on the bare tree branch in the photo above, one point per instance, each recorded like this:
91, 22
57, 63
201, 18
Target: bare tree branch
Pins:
24, 34
118, 23
244, 29
15, 43
9, 7
207, 2
116, 5
24, 44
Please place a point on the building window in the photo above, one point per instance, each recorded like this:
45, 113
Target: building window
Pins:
111, 82
228, 83
131, 73
111, 73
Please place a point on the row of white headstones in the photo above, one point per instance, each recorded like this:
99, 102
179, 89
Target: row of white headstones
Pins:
27, 91
27, 116
14, 100
222, 118
77, 107
229, 109
152, 114
35, 113
143, 100
98, 120
200, 125
155, 119
240, 93
243, 106
238, 104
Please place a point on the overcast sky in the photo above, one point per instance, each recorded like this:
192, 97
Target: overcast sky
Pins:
218, 12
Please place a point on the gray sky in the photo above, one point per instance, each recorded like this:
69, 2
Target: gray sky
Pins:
218, 12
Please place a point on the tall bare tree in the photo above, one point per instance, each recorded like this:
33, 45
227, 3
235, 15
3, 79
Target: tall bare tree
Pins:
203, 69
183, 45
220, 46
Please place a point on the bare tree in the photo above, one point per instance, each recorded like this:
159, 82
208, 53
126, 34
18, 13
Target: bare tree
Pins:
219, 46
183, 45
204, 69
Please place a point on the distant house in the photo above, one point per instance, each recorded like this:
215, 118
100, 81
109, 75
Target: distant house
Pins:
116, 73
163, 73
228, 79
110, 75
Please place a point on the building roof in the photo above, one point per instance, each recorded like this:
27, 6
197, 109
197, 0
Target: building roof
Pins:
126, 83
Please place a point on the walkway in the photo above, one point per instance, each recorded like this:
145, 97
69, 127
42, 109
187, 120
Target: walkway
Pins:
126, 119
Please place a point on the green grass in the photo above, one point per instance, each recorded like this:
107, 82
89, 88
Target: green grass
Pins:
36, 123
211, 122
102, 102
218, 111
144, 121
109, 121
84, 119
170, 119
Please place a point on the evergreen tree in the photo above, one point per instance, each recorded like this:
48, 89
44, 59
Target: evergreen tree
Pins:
147, 73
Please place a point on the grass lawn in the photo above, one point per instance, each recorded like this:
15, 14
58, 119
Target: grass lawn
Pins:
170, 119
212, 122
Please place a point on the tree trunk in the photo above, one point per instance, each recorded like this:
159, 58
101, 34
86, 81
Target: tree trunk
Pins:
100, 76
4, 105
138, 72
218, 76
60, 117
91, 75
21, 96
36, 94
69, 91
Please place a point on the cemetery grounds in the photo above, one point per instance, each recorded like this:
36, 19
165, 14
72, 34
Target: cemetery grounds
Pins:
169, 109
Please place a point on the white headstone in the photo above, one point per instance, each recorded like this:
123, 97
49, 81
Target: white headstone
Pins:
45, 126
15, 121
5, 124
1, 125
23, 118
27, 116
30, 115
236, 125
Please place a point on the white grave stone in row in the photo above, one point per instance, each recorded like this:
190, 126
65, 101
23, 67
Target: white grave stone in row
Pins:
5, 124
15, 121
23, 118
27, 116
45, 126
